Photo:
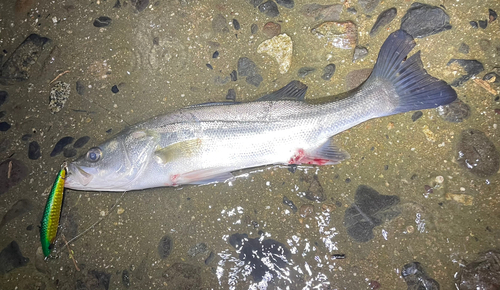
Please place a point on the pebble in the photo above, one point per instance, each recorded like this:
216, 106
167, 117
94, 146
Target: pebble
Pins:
210, 258
197, 249
281, 48
80, 88
81, 142
231, 95
236, 24
115, 89
416, 115
319, 12
439, 179
59, 94
256, 3
254, 80
140, 5
359, 53
422, 20
26, 137
102, 21
483, 273
342, 35
254, 28
474, 24
234, 76
11, 258
368, 5
271, 29
3, 97
34, 150
383, 20
315, 191
219, 24
463, 48
472, 67
355, 78
117, 4
491, 77
460, 198
477, 154
20, 208
120, 210
416, 277
454, 112
306, 210
328, 72
286, 3
290, 204
216, 54
69, 152
492, 15
4, 126
246, 67
221, 80
59, 147
269, 8
483, 24
209, 66
125, 278
165, 247
304, 71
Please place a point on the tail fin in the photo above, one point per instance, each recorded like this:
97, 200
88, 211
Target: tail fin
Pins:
416, 89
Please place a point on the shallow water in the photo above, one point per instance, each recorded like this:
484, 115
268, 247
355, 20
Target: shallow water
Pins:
157, 58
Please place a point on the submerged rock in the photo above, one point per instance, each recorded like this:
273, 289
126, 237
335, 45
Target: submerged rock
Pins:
477, 154
13, 172
102, 21
165, 247
322, 12
368, 5
59, 147
20, 208
34, 150
455, 112
269, 8
219, 24
359, 53
482, 274
472, 67
271, 29
304, 71
422, 20
11, 258
328, 72
197, 249
59, 94
342, 35
383, 19
416, 278
281, 48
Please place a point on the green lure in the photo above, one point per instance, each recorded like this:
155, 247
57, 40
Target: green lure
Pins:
52, 213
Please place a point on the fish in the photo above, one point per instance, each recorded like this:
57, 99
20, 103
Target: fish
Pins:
205, 143
52, 212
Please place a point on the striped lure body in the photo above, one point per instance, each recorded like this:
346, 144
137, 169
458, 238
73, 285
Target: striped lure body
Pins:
52, 213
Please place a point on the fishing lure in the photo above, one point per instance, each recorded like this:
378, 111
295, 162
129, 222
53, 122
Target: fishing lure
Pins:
52, 213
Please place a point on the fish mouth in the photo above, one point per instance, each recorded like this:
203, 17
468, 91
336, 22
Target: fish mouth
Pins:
78, 176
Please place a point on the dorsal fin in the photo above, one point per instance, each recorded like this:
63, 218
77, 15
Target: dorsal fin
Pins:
294, 91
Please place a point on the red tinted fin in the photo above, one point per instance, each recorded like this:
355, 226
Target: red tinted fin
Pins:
326, 154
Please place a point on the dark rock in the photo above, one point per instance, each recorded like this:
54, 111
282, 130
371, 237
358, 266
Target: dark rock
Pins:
292, 168
125, 278
20, 208
342, 35
359, 52
383, 19
254, 28
183, 276
98, 280
255, 3
416, 278
370, 209
286, 3
352, 10
483, 24
289, 203
156, 40
477, 154
271, 29
102, 21
455, 112
165, 247
315, 191
481, 274
492, 15
216, 54
257, 254
492, 77
221, 80
23, 62
236, 24
347, 180
197, 249
355, 78
322, 12
140, 5
3, 97
59, 147
368, 5
115, 89
81, 142
416, 115
34, 150
234, 76
231, 95
117, 4
463, 48
18, 171
246, 67
306, 210
472, 67
210, 258
209, 66
11, 258
4, 126
219, 24
254, 80
474, 24
328, 72
269, 8
422, 20
304, 71
69, 152
80, 88
26, 137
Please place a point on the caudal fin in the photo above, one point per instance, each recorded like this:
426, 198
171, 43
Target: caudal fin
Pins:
416, 89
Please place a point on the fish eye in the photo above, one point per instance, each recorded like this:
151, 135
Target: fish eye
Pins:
94, 154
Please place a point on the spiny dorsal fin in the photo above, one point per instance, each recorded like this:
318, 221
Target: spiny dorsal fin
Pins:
294, 91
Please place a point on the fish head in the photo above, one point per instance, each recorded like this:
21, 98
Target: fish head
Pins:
115, 164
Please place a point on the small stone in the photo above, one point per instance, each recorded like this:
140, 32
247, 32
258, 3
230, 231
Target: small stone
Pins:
117, 4
156, 40
210, 258
383, 19
355, 78
102, 21
306, 210
209, 66
254, 28
236, 24
416, 115
281, 48
125, 278
34, 150
69, 152
368, 5
492, 77
315, 191
4, 126
246, 67
319, 12
492, 15
474, 24
254, 80
3, 97
11, 258
234, 76
328, 72
26, 137
483, 273
269, 8
455, 112
271, 29
483, 24
359, 53
439, 179
59, 94
80, 88
165, 247
81, 142
463, 48
342, 35
59, 147
221, 80
286, 3
429, 135
115, 89
352, 10
216, 54
197, 249
304, 71
422, 20
231, 95
290, 204
219, 24
140, 5
477, 154
120, 210
255, 3
472, 67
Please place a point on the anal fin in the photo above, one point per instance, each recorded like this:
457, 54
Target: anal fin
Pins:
205, 176
327, 154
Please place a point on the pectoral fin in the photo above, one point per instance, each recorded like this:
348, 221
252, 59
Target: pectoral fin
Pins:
327, 154
178, 150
